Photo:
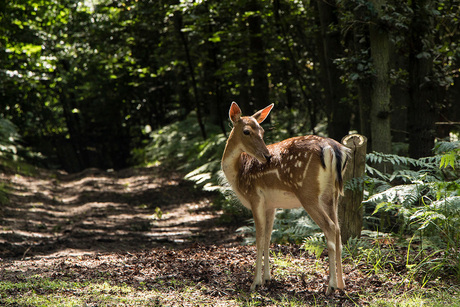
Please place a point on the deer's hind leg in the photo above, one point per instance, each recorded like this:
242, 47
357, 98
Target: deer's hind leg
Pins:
319, 210
330, 202
334, 216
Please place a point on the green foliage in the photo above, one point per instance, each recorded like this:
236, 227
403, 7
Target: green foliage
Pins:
82, 79
13, 156
290, 226
450, 152
3, 194
425, 205
315, 244
181, 145
354, 246
424, 183
9, 138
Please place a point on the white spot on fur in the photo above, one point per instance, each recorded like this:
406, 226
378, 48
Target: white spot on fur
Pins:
306, 167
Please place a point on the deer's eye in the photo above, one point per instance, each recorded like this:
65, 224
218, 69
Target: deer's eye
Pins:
246, 132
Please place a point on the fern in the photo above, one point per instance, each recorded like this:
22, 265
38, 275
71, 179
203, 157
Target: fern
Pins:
450, 152
444, 147
428, 164
424, 203
249, 232
315, 244
290, 226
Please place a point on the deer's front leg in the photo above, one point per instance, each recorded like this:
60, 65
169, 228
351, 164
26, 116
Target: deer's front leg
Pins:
270, 217
258, 213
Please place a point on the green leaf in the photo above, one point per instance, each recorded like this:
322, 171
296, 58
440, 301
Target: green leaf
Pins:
215, 38
448, 159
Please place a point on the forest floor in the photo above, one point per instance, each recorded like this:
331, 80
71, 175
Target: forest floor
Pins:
146, 237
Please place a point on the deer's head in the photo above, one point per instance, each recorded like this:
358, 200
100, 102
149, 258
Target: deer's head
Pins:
248, 134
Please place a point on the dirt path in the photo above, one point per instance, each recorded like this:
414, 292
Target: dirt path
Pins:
95, 211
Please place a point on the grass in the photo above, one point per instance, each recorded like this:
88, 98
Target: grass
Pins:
417, 297
288, 265
45, 292
18, 166
37, 291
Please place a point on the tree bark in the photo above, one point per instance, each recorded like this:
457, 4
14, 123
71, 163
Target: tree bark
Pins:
293, 68
380, 97
400, 99
361, 49
260, 90
330, 49
350, 209
212, 82
178, 24
422, 112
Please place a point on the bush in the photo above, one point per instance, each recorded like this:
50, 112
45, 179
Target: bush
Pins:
9, 138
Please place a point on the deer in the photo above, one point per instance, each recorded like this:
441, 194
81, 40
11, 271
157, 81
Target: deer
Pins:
305, 171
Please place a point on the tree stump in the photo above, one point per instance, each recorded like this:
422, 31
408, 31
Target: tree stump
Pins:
350, 209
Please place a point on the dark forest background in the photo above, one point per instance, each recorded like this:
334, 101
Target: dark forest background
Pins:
85, 82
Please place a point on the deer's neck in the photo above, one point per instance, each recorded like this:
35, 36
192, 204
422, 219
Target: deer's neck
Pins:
231, 162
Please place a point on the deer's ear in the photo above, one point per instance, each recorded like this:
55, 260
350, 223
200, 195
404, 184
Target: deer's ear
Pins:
234, 113
261, 115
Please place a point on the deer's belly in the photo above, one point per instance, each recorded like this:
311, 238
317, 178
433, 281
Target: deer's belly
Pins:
281, 199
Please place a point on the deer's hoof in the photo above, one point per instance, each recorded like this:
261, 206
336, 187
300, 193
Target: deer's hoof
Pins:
331, 289
256, 283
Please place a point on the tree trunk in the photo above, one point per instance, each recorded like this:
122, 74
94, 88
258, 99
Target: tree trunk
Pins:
400, 98
178, 25
361, 49
293, 68
350, 209
422, 112
260, 94
380, 97
212, 89
330, 49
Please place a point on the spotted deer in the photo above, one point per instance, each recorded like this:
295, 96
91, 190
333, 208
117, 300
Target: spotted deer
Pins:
301, 171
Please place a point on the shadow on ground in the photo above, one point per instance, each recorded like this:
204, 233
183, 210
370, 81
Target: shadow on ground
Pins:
98, 211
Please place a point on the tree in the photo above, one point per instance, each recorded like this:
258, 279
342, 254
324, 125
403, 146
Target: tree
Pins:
259, 89
380, 93
424, 92
329, 49
178, 26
